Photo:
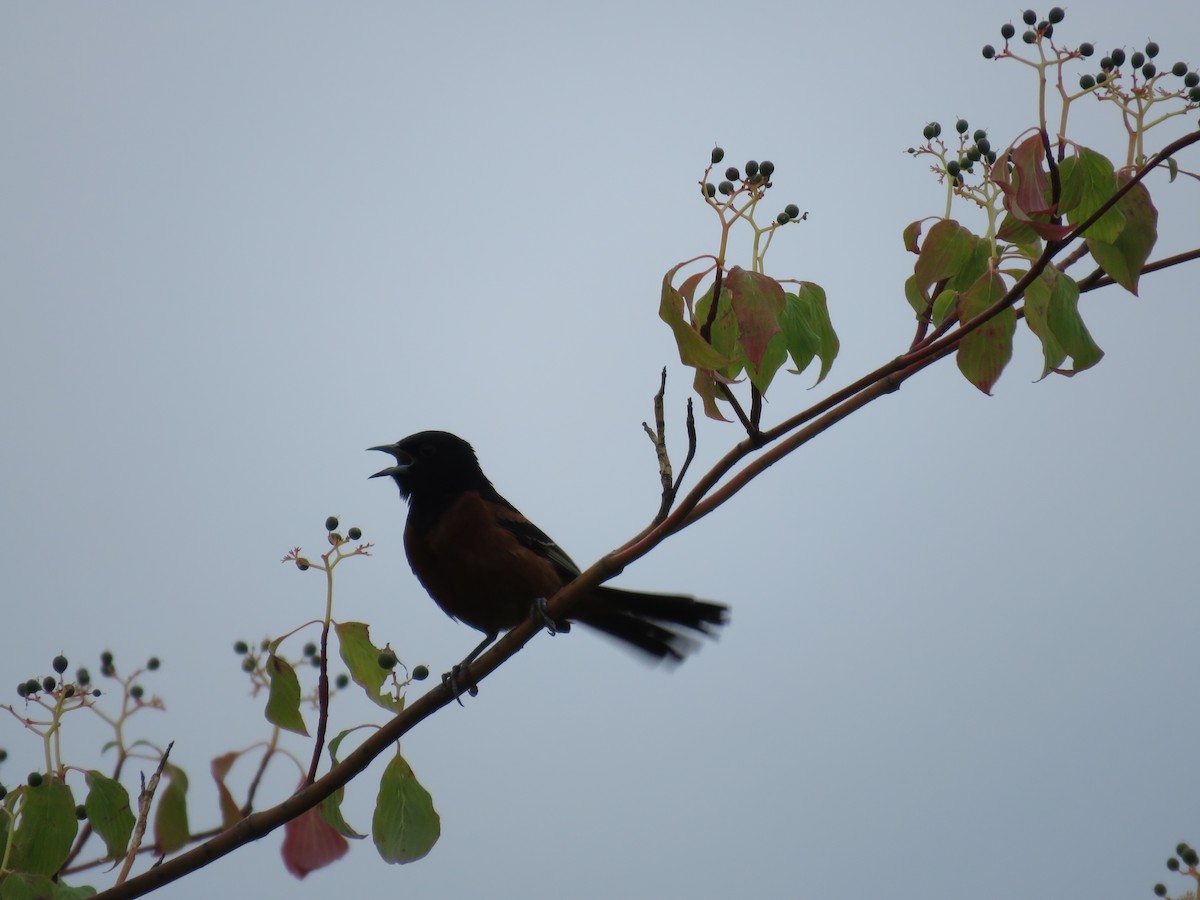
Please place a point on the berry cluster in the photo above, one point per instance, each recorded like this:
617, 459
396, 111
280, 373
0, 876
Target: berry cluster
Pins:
59, 687
975, 148
1184, 856
756, 180
1035, 32
1142, 63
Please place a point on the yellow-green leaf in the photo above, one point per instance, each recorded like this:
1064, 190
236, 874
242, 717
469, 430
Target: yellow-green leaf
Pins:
171, 829
405, 826
1088, 181
1124, 257
805, 317
45, 828
362, 659
283, 700
693, 349
109, 813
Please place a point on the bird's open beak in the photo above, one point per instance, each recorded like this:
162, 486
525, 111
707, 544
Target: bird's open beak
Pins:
403, 460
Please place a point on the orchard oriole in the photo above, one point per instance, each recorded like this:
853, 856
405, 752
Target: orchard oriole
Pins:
487, 565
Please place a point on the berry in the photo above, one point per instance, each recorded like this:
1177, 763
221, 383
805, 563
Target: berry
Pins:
1194, 94
264, 645
1086, 49
1190, 857
782, 219
1029, 17
1180, 849
733, 174
961, 126
241, 648
387, 659
973, 153
22, 690
331, 523
60, 664
310, 649
979, 135
1107, 64
1173, 864
3, 754
420, 673
1056, 15
1087, 81
1152, 49
1191, 79
751, 168
81, 812
1118, 57
84, 677
69, 690
136, 692
932, 130
991, 157
792, 210
106, 658
314, 661
1029, 37
984, 145
1007, 30
725, 188
1179, 69
710, 190
1136, 59
342, 681
766, 168
32, 686
302, 564
1160, 890
717, 155
248, 664
153, 663
96, 692
1046, 29
48, 683
988, 51
1149, 71
34, 779
355, 533
952, 168
1101, 78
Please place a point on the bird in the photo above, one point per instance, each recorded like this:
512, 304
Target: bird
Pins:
487, 565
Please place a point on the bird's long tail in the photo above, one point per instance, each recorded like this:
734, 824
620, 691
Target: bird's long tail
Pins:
645, 620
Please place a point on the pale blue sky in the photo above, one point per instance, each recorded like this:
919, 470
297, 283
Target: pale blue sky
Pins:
240, 243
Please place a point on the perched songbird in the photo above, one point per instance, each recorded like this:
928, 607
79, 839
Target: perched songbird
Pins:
485, 564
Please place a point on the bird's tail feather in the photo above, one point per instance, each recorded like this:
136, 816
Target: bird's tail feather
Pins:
644, 620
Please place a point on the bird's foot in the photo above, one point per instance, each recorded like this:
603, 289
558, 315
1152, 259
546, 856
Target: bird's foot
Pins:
539, 613
453, 681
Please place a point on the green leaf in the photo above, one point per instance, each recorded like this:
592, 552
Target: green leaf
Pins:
331, 806
1013, 231
1088, 182
943, 305
1068, 327
693, 349
985, 352
171, 830
405, 826
23, 886
757, 302
724, 332
774, 357
283, 701
947, 248
362, 659
109, 813
66, 892
974, 266
1124, 258
807, 316
1037, 312
45, 828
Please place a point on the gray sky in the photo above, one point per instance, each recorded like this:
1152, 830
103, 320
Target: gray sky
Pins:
240, 243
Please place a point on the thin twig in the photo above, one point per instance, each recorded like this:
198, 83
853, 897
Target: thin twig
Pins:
144, 800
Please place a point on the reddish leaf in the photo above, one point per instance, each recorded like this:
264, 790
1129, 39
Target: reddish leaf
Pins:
947, 248
985, 352
1029, 198
706, 386
310, 843
757, 302
912, 234
230, 813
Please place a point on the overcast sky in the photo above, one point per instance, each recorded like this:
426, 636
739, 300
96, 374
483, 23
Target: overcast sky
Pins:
240, 243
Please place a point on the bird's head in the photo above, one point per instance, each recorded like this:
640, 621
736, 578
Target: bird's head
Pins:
431, 463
